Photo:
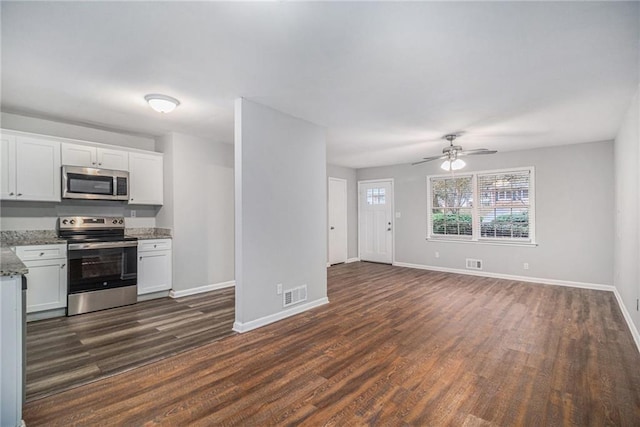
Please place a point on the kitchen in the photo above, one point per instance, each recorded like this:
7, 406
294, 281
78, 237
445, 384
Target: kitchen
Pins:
31, 227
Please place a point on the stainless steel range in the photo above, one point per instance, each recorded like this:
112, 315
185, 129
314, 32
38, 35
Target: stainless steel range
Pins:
102, 263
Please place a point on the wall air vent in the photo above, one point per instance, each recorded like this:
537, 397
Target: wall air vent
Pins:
294, 296
474, 264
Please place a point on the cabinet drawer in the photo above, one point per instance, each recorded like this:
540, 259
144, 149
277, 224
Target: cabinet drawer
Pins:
29, 253
154, 245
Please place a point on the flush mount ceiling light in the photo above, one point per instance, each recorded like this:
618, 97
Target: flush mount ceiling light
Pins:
162, 103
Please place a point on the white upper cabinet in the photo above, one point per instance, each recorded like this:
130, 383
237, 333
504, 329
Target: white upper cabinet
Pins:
30, 169
94, 157
113, 159
7, 167
145, 178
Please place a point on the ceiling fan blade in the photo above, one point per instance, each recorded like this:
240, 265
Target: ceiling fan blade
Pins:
478, 151
429, 159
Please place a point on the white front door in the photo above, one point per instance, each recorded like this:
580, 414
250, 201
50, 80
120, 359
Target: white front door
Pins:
375, 223
337, 220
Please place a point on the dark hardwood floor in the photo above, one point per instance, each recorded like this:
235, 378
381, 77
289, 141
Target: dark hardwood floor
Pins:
68, 351
395, 346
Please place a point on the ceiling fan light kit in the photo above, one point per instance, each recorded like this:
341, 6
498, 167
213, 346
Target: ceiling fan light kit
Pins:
453, 165
450, 155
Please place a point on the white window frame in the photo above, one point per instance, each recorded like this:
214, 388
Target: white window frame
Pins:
475, 214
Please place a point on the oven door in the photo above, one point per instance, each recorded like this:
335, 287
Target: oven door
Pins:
102, 265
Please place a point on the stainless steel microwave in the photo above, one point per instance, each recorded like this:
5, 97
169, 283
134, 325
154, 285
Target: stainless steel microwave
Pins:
94, 184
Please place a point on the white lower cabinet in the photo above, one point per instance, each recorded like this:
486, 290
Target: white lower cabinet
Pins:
154, 266
47, 277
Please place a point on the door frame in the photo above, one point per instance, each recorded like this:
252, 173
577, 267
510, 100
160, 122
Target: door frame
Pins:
393, 214
346, 217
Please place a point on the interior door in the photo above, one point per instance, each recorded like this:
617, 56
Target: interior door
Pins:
375, 223
337, 220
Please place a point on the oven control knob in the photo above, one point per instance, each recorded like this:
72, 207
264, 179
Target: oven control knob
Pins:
115, 221
64, 221
120, 221
73, 221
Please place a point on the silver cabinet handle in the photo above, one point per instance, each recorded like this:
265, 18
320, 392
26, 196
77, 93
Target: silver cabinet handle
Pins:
155, 246
99, 164
140, 258
12, 193
63, 266
332, 228
19, 194
389, 229
41, 253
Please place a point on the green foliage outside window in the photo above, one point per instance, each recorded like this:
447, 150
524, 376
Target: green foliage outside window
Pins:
452, 224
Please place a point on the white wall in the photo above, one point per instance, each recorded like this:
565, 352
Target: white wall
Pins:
199, 208
573, 215
349, 175
280, 171
74, 131
16, 215
627, 210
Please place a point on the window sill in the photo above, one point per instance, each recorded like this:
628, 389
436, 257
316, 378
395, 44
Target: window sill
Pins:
481, 242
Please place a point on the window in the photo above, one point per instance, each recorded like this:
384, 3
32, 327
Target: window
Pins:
375, 196
503, 212
452, 199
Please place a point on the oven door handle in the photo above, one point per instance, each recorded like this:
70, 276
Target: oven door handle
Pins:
101, 245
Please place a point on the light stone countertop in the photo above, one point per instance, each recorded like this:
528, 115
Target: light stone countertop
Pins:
148, 233
10, 264
30, 237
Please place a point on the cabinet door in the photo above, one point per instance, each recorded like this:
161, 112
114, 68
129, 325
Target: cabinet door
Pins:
145, 179
113, 159
154, 271
46, 285
7, 167
78, 155
37, 169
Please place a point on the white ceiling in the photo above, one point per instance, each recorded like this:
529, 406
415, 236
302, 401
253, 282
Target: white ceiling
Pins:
387, 80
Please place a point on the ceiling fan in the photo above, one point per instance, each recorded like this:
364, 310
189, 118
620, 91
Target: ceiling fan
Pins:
451, 153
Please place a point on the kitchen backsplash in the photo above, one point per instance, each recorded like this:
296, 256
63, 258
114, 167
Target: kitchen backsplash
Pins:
44, 216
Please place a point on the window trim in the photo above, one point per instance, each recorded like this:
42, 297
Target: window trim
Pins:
475, 211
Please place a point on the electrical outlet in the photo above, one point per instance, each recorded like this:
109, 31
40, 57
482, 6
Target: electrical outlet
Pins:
133, 213
437, 254
279, 288
526, 266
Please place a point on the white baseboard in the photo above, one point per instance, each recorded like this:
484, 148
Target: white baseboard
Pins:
544, 281
201, 289
349, 260
263, 321
627, 318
